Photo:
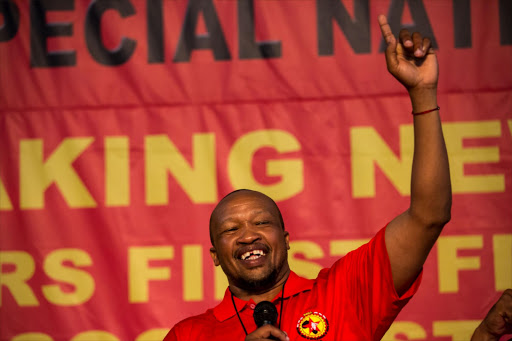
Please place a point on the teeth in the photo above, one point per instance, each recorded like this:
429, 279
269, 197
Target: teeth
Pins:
252, 254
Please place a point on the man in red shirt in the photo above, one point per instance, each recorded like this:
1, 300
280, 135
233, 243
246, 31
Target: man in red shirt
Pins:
361, 294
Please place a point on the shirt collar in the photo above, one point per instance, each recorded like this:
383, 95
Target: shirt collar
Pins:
294, 285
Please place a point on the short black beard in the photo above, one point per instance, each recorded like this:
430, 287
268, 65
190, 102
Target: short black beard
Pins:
258, 285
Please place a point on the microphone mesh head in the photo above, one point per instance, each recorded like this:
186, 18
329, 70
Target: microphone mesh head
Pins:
265, 312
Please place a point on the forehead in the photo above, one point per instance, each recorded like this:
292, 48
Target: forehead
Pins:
242, 203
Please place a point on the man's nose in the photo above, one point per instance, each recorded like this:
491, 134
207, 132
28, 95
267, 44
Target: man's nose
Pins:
248, 234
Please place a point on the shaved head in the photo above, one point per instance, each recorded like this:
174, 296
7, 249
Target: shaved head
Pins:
244, 222
224, 201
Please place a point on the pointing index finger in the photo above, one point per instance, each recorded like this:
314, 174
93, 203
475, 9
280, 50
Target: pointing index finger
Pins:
385, 29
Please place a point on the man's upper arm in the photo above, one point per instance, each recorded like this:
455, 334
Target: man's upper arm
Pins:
408, 242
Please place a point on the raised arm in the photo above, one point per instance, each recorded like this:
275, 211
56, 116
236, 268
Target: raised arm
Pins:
411, 235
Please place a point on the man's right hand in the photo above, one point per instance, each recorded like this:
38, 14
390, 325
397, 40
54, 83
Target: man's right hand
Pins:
267, 332
498, 321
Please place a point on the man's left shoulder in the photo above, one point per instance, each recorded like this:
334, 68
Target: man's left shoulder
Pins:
190, 326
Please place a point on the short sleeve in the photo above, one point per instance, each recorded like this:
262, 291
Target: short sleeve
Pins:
361, 284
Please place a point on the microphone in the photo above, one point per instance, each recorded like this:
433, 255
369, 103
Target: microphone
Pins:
265, 312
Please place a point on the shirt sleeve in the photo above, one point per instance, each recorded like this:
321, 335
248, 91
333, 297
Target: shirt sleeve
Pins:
171, 335
362, 283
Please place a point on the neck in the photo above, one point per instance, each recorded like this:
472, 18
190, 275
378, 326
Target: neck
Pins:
257, 297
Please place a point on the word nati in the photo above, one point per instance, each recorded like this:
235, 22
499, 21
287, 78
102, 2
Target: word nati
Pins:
329, 13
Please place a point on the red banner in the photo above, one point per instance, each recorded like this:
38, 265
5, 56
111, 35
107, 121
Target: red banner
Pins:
122, 123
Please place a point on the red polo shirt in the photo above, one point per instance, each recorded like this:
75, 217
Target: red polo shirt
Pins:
355, 299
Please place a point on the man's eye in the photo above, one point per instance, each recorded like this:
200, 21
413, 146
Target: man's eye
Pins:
264, 222
231, 229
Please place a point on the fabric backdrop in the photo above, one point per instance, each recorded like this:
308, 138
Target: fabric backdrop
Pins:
123, 122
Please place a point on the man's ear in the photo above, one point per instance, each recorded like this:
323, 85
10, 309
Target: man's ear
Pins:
287, 240
213, 254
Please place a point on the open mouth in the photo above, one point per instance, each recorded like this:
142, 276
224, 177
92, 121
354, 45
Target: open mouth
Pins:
252, 255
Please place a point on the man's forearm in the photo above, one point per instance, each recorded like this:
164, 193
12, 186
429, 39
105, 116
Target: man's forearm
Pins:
430, 179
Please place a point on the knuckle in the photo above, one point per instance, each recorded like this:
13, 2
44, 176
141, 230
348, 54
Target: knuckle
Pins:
404, 36
508, 293
416, 36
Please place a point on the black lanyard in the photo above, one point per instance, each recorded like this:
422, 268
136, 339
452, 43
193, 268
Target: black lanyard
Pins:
280, 310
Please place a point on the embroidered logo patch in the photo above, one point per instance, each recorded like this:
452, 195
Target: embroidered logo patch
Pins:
313, 326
